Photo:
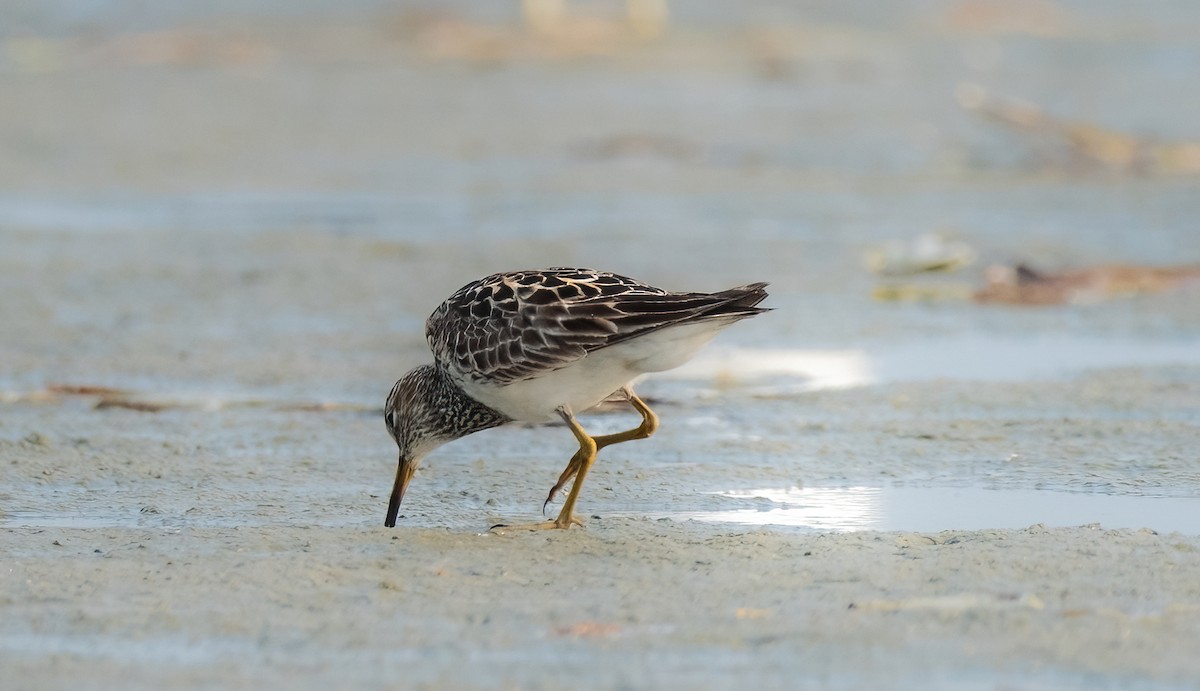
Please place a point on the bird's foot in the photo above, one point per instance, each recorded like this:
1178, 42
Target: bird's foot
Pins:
557, 488
567, 475
557, 524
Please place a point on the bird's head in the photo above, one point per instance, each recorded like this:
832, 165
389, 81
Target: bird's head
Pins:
415, 422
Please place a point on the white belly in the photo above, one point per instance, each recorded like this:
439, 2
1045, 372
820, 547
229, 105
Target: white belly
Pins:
593, 378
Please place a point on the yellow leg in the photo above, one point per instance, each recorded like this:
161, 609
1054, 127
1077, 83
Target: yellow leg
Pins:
583, 459
648, 427
586, 456
588, 448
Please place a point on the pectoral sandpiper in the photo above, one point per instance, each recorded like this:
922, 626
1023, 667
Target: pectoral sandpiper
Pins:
533, 346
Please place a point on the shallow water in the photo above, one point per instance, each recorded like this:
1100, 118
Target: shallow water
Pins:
820, 509
968, 356
934, 509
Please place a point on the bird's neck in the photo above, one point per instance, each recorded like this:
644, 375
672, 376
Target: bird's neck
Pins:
461, 414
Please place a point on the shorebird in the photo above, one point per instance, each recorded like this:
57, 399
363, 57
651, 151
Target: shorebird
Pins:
532, 346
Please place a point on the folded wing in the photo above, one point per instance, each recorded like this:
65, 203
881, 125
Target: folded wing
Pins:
514, 326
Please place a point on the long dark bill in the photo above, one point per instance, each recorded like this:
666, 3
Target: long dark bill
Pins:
404, 473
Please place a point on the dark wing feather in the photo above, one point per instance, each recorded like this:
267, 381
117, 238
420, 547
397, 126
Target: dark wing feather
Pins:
513, 326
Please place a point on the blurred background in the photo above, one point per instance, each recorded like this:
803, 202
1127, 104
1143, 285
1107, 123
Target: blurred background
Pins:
223, 224
275, 194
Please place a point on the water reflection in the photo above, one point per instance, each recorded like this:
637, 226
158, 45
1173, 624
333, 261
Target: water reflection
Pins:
971, 357
838, 509
932, 509
793, 370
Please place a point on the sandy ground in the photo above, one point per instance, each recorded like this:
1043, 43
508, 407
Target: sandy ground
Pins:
239, 223
626, 603
244, 547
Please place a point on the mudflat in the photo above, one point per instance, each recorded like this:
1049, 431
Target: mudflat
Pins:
221, 235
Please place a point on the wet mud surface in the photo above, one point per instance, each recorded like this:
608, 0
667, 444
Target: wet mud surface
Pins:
222, 233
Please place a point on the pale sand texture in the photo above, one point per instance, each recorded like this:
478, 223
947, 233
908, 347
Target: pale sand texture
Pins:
626, 603
246, 216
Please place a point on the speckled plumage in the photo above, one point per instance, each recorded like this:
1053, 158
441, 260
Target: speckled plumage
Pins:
435, 408
513, 326
524, 345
